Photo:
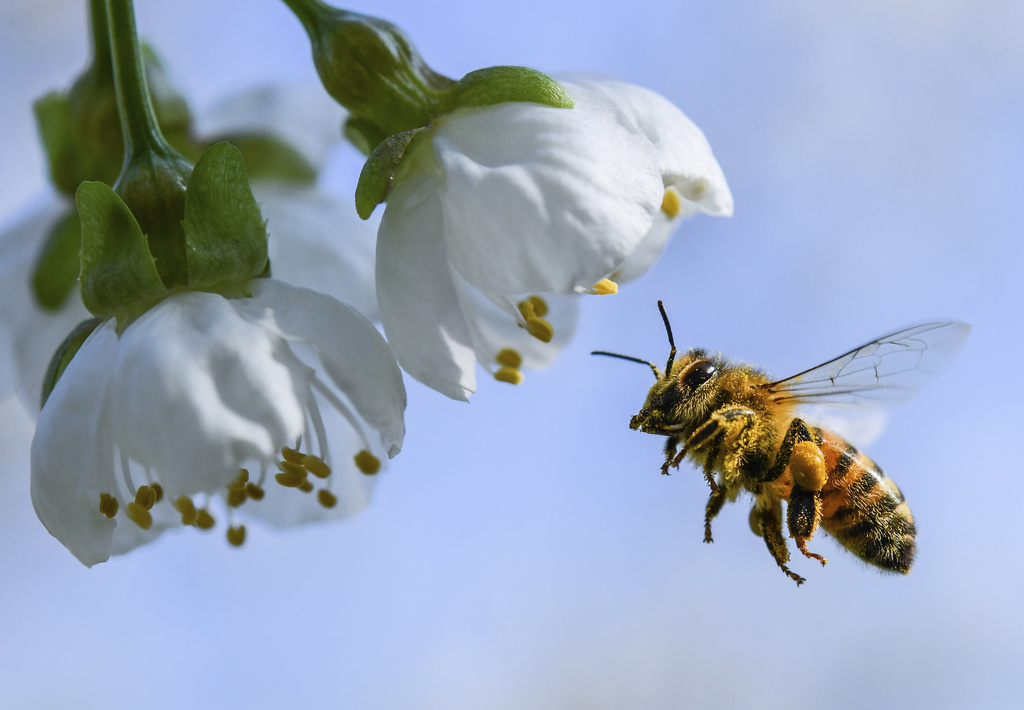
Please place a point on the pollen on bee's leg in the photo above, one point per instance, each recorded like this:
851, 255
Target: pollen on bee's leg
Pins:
236, 535
671, 204
326, 498
367, 462
187, 508
108, 505
604, 287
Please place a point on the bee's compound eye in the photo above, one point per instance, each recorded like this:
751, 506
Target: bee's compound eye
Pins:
698, 373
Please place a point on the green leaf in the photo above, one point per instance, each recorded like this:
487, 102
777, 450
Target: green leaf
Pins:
269, 158
225, 235
56, 268
379, 171
118, 272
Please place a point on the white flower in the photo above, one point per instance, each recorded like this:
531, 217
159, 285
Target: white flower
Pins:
164, 418
520, 199
316, 239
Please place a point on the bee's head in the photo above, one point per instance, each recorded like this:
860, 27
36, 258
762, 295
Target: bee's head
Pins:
680, 399
683, 393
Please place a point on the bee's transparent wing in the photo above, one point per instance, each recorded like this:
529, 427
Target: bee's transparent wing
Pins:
885, 371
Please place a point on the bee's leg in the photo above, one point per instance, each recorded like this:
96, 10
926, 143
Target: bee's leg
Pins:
715, 502
803, 516
798, 438
768, 522
671, 459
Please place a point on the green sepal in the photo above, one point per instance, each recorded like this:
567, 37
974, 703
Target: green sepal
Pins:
119, 275
495, 85
225, 235
269, 158
63, 354
379, 171
56, 269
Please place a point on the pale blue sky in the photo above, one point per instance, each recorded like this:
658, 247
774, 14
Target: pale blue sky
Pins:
523, 551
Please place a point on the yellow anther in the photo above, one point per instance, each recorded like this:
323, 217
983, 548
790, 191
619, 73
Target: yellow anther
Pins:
187, 508
253, 491
240, 480
291, 479
236, 535
158, 490
604, 287
290, 467
139, 515
534, 306
145, 497
540, 329
236, 496
367, 462
204, 521
326, 498
316, 466
509, 358
306, 486
670, 203
108, 505
540, 306
509, 374
289, 454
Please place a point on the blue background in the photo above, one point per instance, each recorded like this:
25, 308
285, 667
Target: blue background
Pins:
523, 550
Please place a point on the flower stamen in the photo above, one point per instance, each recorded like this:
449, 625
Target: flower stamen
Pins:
604, 287
326, 498
108, 505
510, 361
533, 310
671, 204
187, 508
367, 462
236, 535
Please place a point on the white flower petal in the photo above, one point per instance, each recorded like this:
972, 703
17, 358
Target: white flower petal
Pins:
419, 305
354, 355
556, 204
318, 241
197, 389
72, 453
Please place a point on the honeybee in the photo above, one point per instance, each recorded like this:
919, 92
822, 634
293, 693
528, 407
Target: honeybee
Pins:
743, 429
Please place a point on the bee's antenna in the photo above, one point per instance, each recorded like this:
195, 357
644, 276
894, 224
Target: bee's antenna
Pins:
654, 368
671, 340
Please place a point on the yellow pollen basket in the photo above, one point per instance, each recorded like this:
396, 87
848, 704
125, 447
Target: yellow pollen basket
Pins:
367, 462
671, 204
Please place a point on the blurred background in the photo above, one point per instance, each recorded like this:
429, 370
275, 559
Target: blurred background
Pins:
523, 550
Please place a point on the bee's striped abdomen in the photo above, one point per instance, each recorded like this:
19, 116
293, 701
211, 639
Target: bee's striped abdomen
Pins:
864, 509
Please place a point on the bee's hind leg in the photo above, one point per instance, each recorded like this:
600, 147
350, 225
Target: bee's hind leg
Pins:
767, 522
803, 514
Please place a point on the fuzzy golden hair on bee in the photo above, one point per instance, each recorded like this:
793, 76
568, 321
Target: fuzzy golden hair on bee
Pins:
745, 432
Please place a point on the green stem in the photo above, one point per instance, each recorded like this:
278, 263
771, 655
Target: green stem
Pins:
138, 121
102, 61
308, 12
